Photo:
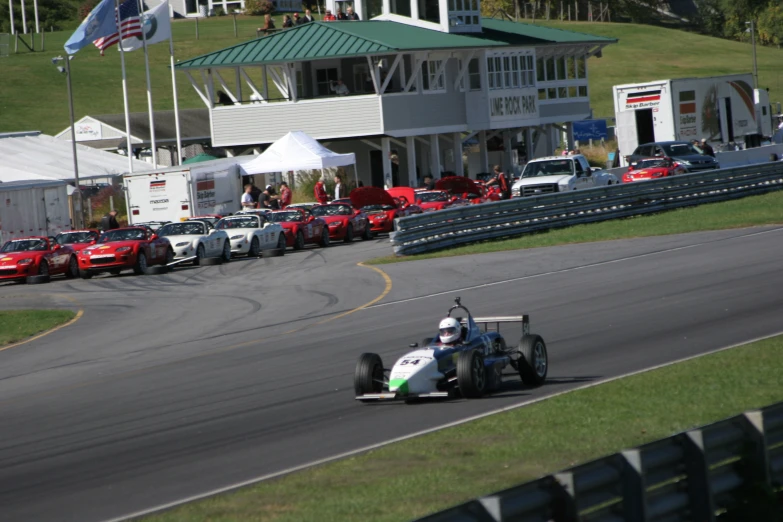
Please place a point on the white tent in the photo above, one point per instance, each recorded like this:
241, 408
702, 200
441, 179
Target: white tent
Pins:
297, 151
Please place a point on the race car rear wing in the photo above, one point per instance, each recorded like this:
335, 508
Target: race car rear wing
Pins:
492, 324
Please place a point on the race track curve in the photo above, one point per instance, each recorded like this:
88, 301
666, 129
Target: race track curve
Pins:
174, 385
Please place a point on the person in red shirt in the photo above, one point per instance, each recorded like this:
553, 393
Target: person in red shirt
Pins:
320, 193
329, 17
501, 181
285, 194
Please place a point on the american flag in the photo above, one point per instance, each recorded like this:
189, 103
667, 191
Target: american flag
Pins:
130, 21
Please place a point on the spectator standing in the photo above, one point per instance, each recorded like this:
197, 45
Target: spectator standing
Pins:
320, 193
308, 17
501, 181
297, 20
351, 15
287, 22
339, 88
269, 24
339, 188
329, 17
247, 197
285, 194
340, 15
429, 183
707, 148
109, 221
268, 199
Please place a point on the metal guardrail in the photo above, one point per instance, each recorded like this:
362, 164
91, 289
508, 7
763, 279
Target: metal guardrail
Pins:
694, 475
451, 227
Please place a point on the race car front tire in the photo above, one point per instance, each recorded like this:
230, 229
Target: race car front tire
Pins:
255, 248
349, 234
471, 374
73, 268
533, 362
201, 254
226, 252
368, 377
281, 243
299, 242
325, 239
141, 264
367, 235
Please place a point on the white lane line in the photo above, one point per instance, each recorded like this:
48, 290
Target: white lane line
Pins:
572, 269
237, 485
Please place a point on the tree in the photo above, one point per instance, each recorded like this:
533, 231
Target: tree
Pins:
770, 24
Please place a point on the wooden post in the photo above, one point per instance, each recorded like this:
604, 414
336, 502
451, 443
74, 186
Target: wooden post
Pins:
547, 10
197, 28
89, 208
235, 25
562, 14
576, 10
525, 11
569, 12
589, 11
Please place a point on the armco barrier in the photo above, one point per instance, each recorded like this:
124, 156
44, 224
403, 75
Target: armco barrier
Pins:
451, 227
691, 476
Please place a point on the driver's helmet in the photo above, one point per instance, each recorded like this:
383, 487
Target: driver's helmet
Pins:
450, 330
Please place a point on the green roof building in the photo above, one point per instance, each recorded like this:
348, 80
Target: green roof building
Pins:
408, 91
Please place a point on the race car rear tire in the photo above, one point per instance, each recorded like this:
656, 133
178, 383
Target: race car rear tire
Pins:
211, 261
201, 255
255, 248
348, 234
534, 362
85, 274
325, 239
37, 279
73, 268
367, 235
471, 374
157, 270
299, 241
141, 264
368, 377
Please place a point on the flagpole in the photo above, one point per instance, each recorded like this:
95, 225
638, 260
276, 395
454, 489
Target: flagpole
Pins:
149, 91
176, 104
124, 91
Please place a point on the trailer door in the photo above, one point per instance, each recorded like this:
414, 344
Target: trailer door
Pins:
158, 197
645, 129
727, 120
56, 207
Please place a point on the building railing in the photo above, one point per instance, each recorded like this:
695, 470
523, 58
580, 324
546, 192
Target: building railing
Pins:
732, 466
452, 227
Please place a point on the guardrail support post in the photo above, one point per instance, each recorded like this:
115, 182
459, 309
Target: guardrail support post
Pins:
568, 510
758, 470
633, 487
698, 477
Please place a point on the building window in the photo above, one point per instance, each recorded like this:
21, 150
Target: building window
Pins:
323, 79
561, 68
361, 78
431, 80
511, 71
581, 67
583, 91
474, 74
550, 69
542, 94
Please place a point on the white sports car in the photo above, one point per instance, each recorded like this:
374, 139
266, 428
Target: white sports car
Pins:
197, 240
251, 233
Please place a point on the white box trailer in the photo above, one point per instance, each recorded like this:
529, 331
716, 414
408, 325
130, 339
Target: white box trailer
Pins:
33, 208
720, 109
175, 193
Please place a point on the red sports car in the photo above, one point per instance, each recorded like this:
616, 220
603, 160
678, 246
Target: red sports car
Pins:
77, 239
131, 248
466, 188
653, 168
344, 222
381, 207
301, 228
28, 257
431, 200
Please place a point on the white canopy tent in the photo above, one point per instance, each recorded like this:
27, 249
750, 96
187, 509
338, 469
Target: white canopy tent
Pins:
298, 151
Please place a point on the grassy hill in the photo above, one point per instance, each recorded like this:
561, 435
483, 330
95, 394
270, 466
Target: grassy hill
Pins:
33, 94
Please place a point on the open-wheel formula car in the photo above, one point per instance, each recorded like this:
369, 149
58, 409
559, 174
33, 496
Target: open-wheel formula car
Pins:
467, 358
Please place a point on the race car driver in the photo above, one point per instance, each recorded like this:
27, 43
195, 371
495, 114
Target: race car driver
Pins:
450, 332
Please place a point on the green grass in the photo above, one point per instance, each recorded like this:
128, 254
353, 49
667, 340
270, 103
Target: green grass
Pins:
412, 478
17, 325
34, 95
740, 213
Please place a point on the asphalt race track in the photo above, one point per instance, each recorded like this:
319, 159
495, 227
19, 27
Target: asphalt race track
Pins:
174, 385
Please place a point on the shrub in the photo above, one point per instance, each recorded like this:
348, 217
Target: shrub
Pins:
259, 7
219, 11
86, 7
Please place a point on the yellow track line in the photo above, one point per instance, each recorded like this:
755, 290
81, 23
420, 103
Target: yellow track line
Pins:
78, 316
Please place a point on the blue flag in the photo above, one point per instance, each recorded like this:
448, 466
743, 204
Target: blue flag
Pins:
102, 21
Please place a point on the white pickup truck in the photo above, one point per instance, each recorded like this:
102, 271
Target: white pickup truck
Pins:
559, 174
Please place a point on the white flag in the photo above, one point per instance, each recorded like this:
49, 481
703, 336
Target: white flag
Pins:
157, 28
